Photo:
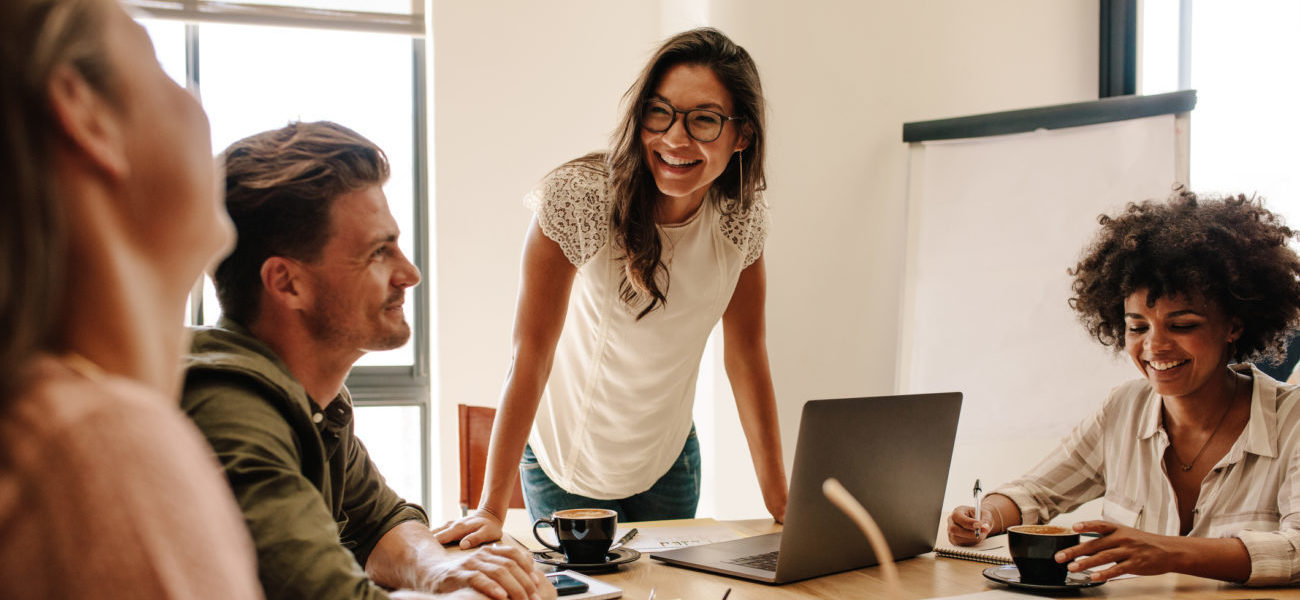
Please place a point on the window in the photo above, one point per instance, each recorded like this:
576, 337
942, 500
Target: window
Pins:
1239, 56
257, 66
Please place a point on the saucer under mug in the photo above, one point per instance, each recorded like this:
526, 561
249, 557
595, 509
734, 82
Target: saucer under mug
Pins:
584, 534
1010, 576
613, 558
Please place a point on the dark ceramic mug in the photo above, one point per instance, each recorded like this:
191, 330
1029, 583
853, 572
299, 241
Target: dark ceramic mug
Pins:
1034, 548
585, 534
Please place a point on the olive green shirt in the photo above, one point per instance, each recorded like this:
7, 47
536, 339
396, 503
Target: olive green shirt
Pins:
313, 500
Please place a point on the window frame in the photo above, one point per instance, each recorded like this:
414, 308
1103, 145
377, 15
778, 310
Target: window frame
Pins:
1117, 48
370, 386
239, 12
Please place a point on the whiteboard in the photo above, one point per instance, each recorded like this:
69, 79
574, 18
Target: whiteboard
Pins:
993, 224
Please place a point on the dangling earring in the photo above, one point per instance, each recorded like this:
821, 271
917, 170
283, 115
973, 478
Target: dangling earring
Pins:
740, 166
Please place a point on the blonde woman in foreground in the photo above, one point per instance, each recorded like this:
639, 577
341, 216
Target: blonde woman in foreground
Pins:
108, 215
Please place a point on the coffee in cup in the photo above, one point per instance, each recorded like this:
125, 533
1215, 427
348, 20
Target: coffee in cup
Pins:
585, 534
1034, 548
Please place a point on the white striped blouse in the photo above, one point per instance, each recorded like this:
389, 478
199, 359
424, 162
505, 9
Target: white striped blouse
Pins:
1252, 493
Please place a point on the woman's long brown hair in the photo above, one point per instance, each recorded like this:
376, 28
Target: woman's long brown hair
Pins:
634, 189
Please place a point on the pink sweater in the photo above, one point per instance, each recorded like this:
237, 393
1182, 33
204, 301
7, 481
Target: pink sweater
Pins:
108, 491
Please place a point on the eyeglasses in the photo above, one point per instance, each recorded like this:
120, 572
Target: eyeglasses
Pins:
702, 124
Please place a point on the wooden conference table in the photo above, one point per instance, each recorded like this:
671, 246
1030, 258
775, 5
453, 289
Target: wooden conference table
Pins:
925, 576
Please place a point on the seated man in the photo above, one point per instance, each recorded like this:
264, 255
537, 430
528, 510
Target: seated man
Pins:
316, 280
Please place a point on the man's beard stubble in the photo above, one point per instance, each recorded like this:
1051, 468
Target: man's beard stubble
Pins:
323, 322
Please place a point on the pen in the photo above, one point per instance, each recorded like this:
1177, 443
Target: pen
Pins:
627, 537
978, 492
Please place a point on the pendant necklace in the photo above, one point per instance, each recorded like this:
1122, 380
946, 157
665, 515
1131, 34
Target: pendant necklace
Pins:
82, 366
1231, 400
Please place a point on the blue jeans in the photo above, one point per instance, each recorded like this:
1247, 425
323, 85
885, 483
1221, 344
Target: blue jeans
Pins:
674, 496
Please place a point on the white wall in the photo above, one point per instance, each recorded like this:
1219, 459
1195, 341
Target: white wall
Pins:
519, 87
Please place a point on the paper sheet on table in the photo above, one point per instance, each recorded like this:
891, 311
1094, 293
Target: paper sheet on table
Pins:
654, 537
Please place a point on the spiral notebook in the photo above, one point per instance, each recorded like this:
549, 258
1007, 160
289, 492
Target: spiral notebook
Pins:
993, 550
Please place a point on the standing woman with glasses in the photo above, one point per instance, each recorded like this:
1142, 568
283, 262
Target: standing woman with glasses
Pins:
634, 256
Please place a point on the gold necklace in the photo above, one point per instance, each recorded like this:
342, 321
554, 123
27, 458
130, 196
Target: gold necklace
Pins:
82, 366
1231, 400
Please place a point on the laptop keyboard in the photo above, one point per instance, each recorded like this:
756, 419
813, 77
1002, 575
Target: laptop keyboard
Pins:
763, 562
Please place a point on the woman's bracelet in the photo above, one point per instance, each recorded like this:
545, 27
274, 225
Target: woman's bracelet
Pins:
993, 509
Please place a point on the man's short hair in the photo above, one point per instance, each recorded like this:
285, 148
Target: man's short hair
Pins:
280, 185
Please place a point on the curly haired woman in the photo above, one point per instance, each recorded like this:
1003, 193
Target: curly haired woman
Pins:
1196, 462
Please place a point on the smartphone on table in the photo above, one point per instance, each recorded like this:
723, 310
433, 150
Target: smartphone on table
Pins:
565, 585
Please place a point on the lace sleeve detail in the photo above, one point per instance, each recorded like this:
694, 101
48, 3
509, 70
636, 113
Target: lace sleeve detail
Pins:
748, 229
573, 209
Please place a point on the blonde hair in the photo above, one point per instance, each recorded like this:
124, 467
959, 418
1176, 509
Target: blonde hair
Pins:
37, 37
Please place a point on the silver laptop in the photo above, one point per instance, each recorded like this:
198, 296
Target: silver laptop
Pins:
892, 453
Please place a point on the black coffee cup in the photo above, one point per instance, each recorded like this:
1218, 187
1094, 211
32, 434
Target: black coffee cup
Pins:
585, 534
1034, 548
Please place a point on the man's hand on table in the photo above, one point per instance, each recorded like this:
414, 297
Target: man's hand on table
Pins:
499, 571
409, 557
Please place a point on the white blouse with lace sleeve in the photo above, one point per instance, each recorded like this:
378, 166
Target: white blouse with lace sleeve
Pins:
748, 230
617, 406
573, 208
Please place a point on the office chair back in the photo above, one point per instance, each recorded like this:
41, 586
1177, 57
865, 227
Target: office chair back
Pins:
475, 432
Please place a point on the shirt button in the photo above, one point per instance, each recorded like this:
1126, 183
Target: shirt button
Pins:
317, 418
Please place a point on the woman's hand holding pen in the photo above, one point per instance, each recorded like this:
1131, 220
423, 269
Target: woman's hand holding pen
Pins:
998, 513
967, 525
964, 529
